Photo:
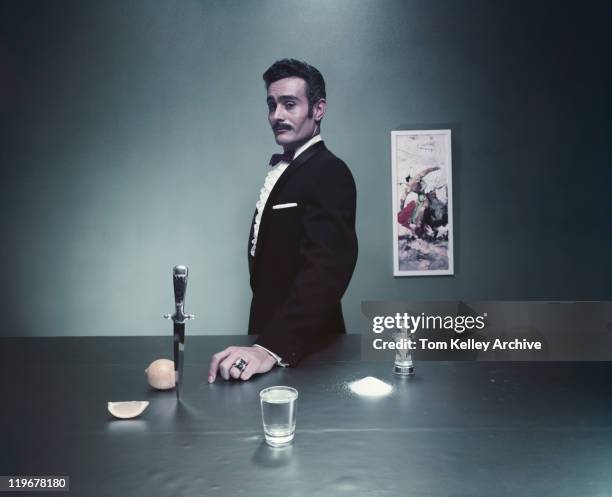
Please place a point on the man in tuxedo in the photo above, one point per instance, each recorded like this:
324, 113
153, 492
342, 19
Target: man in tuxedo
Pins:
302, 247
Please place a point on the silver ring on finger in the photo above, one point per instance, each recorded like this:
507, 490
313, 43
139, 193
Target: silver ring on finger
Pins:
240, 364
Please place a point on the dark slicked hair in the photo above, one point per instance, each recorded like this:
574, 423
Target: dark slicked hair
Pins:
287, 68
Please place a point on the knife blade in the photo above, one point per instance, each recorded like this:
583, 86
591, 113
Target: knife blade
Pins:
179, 351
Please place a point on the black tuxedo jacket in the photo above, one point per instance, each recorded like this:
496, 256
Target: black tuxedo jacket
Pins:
305, 255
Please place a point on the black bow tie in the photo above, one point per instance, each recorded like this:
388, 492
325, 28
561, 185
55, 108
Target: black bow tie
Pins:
286, 157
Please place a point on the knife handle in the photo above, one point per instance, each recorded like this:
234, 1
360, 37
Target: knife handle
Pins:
179, 278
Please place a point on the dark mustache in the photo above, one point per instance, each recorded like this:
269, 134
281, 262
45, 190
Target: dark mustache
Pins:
279, 126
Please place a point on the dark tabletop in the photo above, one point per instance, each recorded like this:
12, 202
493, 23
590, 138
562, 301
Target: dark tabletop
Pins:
455, 429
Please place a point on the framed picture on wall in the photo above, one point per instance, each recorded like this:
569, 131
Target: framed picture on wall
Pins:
422, 202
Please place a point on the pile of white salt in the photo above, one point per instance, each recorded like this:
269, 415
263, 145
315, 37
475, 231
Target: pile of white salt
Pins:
370, 387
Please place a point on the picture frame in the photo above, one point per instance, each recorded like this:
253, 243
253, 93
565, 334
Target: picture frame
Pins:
422, 209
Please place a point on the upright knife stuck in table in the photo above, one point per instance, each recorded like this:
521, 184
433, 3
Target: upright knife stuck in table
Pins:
179, 279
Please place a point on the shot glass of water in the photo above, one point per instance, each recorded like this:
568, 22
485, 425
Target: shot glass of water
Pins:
403, 365
278, 407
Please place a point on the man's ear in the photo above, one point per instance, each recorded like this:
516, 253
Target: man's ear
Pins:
318, 110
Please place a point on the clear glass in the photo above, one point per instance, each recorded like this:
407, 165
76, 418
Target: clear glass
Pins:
278, 408
403, 365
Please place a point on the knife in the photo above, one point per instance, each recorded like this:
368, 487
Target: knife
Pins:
179, 280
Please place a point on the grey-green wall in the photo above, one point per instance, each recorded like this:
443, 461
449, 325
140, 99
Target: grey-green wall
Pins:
134, 137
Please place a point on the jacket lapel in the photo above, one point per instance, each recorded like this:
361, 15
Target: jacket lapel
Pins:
290, 171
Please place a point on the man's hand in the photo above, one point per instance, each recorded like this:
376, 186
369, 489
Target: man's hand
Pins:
257, 361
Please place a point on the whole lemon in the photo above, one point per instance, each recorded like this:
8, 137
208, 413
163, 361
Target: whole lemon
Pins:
160, 374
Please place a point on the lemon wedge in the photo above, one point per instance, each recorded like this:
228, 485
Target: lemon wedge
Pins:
127, 410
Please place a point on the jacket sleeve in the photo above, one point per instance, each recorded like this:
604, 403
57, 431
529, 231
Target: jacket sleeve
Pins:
328, 254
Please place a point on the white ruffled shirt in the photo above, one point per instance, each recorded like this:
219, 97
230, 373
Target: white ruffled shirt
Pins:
271, 179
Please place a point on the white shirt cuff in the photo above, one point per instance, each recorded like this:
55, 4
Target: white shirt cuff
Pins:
279, 361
